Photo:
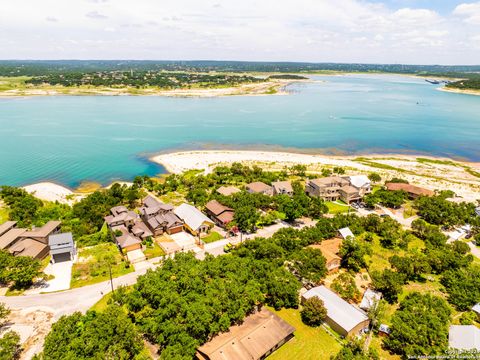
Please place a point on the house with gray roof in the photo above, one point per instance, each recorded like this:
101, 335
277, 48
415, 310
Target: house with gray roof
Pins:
346, 233
282, 188
194, 220
62, 247
344, 318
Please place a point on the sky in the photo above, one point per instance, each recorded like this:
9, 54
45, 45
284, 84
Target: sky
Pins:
365, 31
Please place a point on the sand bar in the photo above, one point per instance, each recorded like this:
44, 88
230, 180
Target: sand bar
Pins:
51, 192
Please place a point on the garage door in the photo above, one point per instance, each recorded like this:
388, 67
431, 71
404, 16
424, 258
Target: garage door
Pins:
61, 257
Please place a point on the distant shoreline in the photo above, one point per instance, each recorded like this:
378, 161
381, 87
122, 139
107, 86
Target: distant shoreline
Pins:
459, 91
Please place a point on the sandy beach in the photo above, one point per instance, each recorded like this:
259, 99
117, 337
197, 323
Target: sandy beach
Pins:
51, 192
440, 174
460, 91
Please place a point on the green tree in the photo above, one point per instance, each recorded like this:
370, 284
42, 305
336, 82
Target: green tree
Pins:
10, 346
344, 285
463, 286
353, 254
246, 218
420, 326
355, 350
313, 312
389, 283
374, 177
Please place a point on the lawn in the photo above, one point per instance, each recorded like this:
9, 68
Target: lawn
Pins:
213, 236
174, 198
3, 215
91, 268
308, 344
337, 207
154, 251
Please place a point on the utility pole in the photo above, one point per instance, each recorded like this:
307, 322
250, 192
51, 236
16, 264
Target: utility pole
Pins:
111, 279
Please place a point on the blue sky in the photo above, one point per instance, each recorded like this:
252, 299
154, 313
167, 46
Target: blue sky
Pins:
371, 31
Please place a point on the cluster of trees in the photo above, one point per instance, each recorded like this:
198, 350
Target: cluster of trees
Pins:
108, 335
18, 271
471, 83
188, 301
84, 218
10, 341
391, 199
161, 79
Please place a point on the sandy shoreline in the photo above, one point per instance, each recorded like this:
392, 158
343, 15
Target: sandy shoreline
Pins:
460, 91
441, 174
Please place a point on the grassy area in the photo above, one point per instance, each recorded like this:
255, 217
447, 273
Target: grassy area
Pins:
213, 236
337, 207
102, 304
92, 268
3, 215
409, 210
376, 344
174, 198
308, 344
154, 251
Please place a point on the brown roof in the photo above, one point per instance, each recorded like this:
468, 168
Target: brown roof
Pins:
7, 226
228, 190
28, 247
411, 189
216, 208
44, 231
7, 239
258, 187
329, 180
257, 335
282, 186
349, 189
329, 248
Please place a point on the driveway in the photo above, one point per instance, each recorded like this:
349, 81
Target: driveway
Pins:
62, 274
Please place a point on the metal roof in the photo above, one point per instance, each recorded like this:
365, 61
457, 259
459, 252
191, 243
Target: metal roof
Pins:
464, 337
346, 232
341, 312
191, 216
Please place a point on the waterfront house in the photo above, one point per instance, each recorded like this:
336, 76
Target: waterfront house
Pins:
362, 183
259, 187
42, 233
29, 247
258, 336
125, 240
62, 247
228, 190
159, 217
221, 214
349, 194
152, 207
326, 188
344, 318
194, 220
412, 190
120, 215
282, 188
464, 337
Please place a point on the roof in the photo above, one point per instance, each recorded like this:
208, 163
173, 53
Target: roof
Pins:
121, 217
464, 337
346, 232
141, 229
329, 180
411, 189
150, 201
359, 181
63, 238
341, 312
476, 308
329, 248
282, 186
44, 231
370, 298
7, 226
349, 189
216, 208
385, 329
168, 219
257, 335
258, 187
28, 247
228, 190
191, 216
117, 210
7, 239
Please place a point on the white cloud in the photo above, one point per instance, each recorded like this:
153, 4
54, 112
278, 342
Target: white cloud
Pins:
469, 11
288, 30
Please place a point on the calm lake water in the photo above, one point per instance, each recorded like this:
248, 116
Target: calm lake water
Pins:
71, 139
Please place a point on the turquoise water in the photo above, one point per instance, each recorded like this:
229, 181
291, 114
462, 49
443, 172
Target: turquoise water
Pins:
71, 139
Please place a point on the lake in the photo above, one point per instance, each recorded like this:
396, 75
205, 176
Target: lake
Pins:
70, 139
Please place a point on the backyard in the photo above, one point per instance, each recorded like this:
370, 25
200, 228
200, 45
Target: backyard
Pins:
92, 265
337, 207
308, 344
213, 236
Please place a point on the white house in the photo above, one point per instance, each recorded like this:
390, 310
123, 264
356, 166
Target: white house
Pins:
346, 232
370, 298
195, 221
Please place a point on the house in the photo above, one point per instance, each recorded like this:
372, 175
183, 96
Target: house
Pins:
361, 183
346, 233
41, 234
259, 187
384, 330
152, 207
228, 190
62, 247
23, 242
125, 240
349, 194
412, 190
464, 337
120, 215
282, 188
221, 214
344, 318
476, 310
159, 217
330, 249
326, 188
370, 299
258, 336
29, 247
195, 221
140, 230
